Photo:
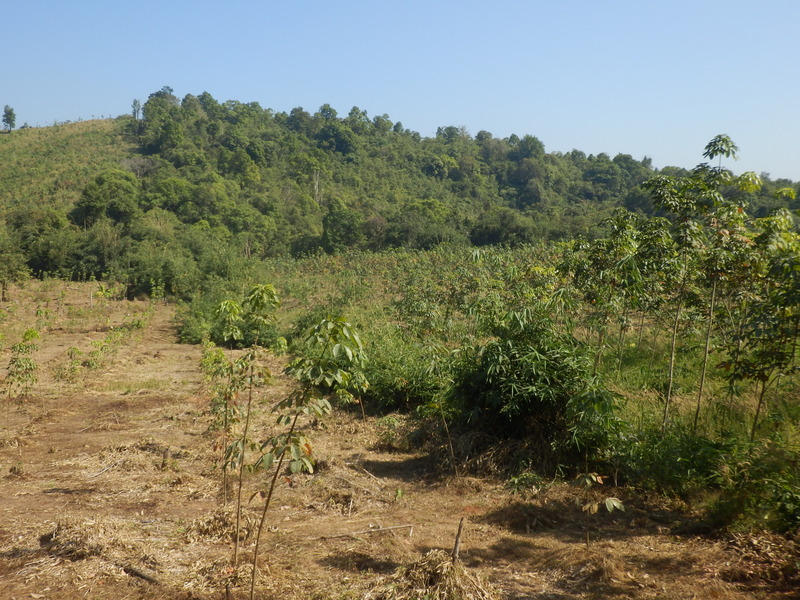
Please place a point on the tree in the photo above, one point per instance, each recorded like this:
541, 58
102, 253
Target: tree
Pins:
12, 262
136, 109
9, 118
342, 228
696, 202
113, 194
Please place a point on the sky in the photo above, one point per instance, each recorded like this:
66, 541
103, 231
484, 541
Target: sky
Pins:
648, 78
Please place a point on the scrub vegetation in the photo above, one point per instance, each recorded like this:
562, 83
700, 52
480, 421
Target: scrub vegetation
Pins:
569, 343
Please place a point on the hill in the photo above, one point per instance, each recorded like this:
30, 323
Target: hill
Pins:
194, 188
50, 166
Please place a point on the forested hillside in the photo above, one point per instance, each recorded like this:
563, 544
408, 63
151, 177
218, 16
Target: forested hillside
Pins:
182, 190
505, 312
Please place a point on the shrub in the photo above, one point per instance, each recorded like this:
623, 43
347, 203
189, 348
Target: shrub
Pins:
761, 488
532, 381
677, 462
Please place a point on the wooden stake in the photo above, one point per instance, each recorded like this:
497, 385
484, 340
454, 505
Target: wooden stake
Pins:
457, 546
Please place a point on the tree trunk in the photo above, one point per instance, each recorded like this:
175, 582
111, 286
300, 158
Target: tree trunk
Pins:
621, 340
705, 354
761, 398
672, 353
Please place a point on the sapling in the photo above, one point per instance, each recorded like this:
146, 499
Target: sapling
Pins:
586, 481
259, 305
226, 377
254, 374
224, 403
22, 368
334, 355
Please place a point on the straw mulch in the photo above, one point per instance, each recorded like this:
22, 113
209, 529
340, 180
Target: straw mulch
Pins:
435, 577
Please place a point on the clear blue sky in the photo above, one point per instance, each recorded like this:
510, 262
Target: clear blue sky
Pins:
641, 77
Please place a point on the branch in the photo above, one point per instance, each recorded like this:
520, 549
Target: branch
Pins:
373, 530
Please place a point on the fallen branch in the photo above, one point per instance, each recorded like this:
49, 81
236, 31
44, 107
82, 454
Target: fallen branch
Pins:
360, 469
134, 572
372, 530
106, 469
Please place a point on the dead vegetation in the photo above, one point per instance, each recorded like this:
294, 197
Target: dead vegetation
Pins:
436, 576
111, 489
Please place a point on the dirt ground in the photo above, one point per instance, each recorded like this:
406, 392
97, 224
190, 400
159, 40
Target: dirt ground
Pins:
111, 489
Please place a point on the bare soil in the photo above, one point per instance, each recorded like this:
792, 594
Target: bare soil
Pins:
111, 489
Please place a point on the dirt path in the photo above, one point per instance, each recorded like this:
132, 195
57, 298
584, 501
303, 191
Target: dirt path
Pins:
110, 490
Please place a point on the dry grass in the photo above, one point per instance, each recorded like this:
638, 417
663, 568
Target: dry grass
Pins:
93, 505
434, 577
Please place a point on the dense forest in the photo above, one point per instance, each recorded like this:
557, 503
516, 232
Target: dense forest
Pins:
187, 188
583, 313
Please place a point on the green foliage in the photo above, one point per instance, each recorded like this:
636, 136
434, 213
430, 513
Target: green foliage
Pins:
525, 482
679, 462
760, 487
22, 367
399, 371
334, 356
234, 323
198, 199
12, 262
9, 118
333, 359
531, 380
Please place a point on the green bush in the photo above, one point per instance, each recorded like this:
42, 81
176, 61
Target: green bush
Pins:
761, 488
200, 320
532, 381
400, 372
677, 462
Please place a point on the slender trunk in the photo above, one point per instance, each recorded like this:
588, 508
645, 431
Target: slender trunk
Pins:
621, 340
705, 354
241, 470
652, 352
737, 352
225, 409
601, 337
266, 507
641, 332
761, 398
672, 353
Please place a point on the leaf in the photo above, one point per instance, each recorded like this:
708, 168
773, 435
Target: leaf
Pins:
266, 460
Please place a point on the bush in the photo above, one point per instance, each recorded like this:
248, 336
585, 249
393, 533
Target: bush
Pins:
761, 488
201, 320
532, 381
677, 462
399, 371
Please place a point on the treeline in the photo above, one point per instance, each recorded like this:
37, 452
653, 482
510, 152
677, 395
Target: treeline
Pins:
207, 185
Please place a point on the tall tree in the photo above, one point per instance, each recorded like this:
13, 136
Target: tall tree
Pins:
136, 109
12, 262
9, 118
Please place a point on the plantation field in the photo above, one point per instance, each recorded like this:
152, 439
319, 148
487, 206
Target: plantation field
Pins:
111, 489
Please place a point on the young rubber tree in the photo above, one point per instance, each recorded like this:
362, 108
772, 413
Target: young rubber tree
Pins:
332, 360
689, 200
